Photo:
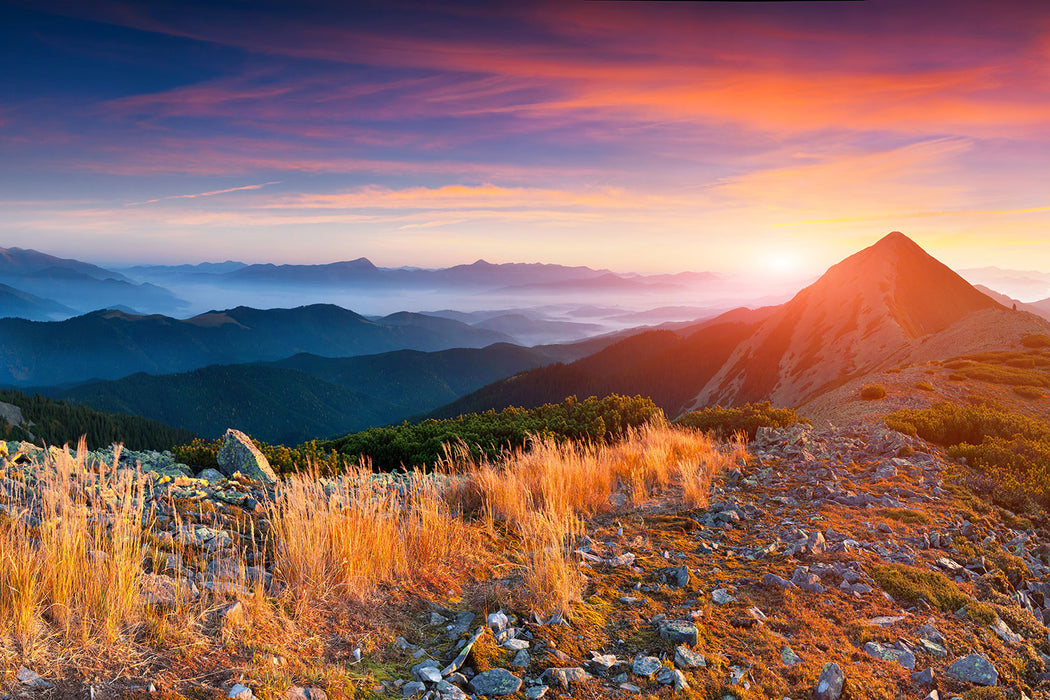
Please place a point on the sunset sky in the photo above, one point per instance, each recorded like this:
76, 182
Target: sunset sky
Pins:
637, 136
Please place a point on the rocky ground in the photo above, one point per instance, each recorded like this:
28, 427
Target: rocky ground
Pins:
837, 562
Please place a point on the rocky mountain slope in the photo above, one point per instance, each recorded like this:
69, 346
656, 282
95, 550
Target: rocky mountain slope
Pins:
831, 563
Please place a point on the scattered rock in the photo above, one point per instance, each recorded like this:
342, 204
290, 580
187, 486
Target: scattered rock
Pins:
496, 682
722, 596
829, 685
32, 679
684, 657
679, 632
297, 693
645, 666
885, 653
974, 669
564, 677
239, 454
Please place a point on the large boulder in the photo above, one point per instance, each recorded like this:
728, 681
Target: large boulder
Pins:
974, 669
239, 454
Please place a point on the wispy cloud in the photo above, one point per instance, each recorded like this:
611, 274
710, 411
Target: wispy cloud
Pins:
212, 193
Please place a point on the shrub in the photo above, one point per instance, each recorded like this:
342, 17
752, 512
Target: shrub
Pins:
913, 584
725, 422
980, 613
904, 515
949, 424
203, 454
1028, 392
924, 386
999, 374
1010, 452
488, 435
1036, 340
873, 392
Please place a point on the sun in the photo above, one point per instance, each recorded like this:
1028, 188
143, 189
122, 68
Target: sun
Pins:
780, 262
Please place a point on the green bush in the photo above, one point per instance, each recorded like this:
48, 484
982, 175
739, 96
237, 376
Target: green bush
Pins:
873, 392
913, 584
1000, 373
1011, 452
1036, 340
724, 422
1028, 392
202, 454
490, 434
949, 424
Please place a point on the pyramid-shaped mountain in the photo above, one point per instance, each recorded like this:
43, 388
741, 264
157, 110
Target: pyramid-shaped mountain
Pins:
859, 313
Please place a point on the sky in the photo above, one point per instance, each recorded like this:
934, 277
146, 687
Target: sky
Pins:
775, 137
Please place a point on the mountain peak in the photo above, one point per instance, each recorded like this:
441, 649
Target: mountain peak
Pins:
860, 312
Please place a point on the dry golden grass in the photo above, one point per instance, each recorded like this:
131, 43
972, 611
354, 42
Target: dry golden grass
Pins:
73, 580
76, 572
352, 534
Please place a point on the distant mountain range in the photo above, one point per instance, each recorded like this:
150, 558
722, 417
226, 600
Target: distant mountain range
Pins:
889, 303
58, 287
361, 273
43, 287
1039, 308
113, 344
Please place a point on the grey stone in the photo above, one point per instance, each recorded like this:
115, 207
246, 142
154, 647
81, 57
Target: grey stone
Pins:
602, 663
498, 621
645, 666
774, 580
564, 677
1005, 633
426, 672
924, 677
677, 576
496, 682
679, 632
447, 691
32, 679
297, 693
521, 659
722, 596
457, 663
212, 476
164, 591
829, 685
684, 657
974, 669
807, 581
536, 692
886, 620
412, 689
933, 648
239, 454
240, 692
789, 657
885, 653
672, 676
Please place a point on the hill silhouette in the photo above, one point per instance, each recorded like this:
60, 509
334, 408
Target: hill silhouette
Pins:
307, 396
112, 344
663, 365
